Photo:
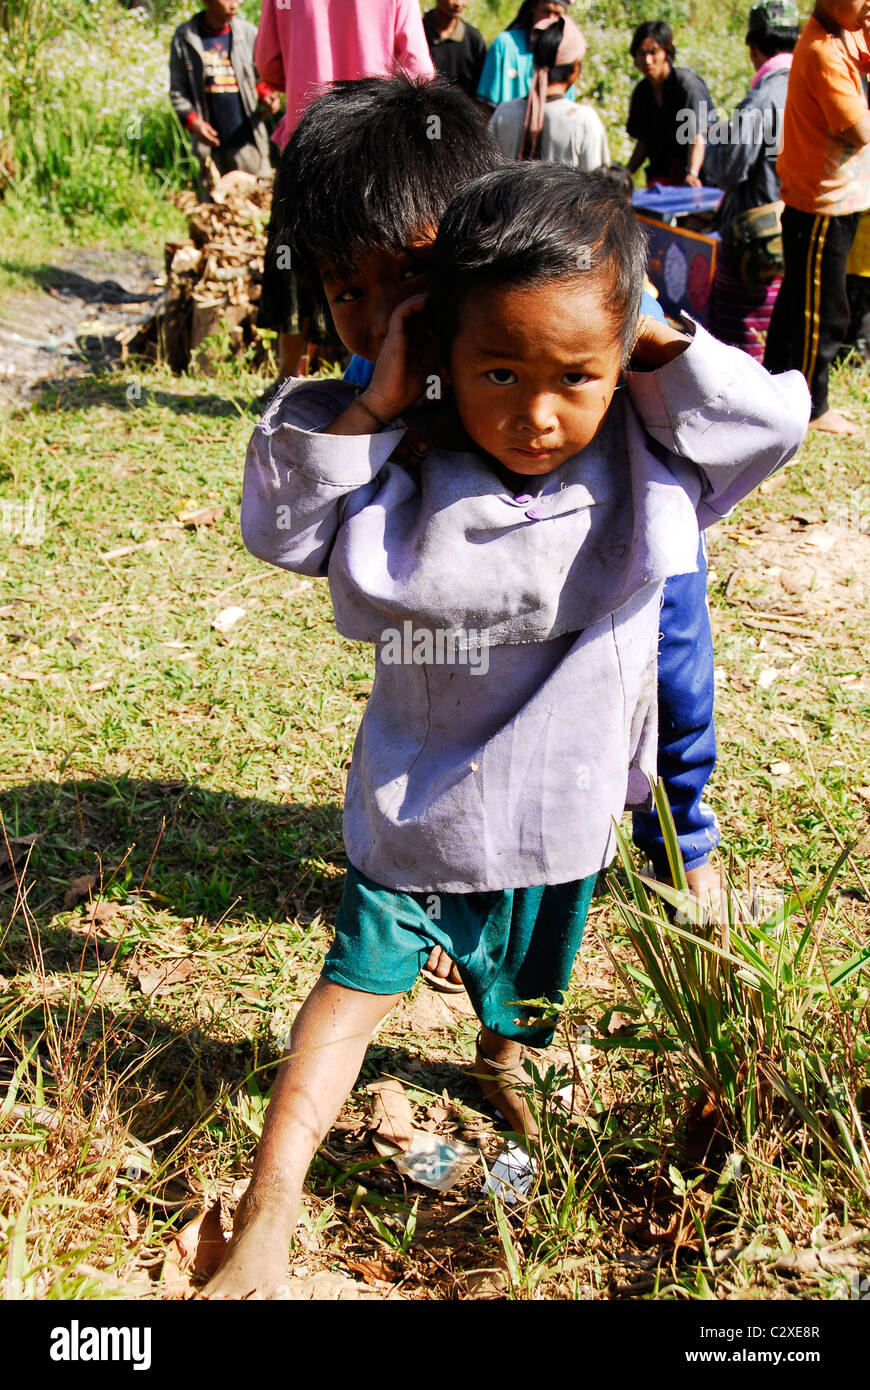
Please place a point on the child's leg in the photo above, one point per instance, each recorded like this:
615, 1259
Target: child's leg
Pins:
687, 736
498, 1067
329, 1040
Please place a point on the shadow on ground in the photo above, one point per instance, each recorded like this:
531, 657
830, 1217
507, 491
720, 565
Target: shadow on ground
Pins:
194, 851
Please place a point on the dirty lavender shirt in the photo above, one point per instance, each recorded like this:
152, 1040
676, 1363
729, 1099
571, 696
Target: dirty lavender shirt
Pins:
508, 769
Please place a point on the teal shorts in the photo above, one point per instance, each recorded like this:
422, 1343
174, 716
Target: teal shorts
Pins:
510, 945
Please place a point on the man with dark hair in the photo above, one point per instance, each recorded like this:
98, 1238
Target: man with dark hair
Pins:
825, 173
658, 108
458, 49
742, 160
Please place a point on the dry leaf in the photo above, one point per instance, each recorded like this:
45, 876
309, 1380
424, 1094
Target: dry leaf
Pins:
618, 1022
812, 1261
97, 917
156, 976
79, 890
14, 848
202, 516
392, 1117
202, 1243
485, 1283
374, 1271
227, 619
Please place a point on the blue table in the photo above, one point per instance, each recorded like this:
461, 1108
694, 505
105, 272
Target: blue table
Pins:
667, 202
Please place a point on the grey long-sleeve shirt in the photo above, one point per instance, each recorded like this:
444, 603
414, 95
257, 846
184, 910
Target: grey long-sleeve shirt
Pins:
513, 712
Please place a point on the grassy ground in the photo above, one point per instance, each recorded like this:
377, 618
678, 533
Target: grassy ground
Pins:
171, 794
184, 785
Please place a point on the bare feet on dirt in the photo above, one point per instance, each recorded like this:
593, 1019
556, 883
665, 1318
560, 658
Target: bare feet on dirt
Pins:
256, 1264
834, 422
501, 1076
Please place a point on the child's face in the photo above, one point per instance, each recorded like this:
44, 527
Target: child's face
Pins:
363, 301
849, 14
533, 370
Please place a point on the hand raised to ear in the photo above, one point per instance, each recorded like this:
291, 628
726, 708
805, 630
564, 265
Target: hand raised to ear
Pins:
404, 361
655, 344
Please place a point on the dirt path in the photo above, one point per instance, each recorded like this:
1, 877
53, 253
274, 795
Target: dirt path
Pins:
66, 324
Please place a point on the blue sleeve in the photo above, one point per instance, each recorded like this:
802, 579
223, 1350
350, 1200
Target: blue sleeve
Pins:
491, 85
648, 305
359, 371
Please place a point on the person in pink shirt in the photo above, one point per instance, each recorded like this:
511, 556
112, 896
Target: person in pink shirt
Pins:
303, 46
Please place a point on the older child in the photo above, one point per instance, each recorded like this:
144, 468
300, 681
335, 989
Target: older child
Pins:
541, 525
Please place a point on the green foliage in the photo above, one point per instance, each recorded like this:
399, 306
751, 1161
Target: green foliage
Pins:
86, 130
751, 1012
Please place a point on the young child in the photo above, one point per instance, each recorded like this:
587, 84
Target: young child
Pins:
539, 529
373, 221
214, 90
546, 125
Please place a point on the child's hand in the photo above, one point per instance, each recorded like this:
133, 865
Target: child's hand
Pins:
403, 362
655, 345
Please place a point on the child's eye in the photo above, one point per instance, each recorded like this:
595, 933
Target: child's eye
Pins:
501, 376
575, 378
413, 271
347, 296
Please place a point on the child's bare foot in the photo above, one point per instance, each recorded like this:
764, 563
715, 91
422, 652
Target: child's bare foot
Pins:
256, 1263
499, 1071
834, 422
705, 883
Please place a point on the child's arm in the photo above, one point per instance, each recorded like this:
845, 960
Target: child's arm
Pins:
718, 408
307, 454
298, 476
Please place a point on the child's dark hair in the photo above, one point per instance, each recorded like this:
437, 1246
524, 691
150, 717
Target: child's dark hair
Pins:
531, 223
372, 164
657, 29
545, 46
620, 178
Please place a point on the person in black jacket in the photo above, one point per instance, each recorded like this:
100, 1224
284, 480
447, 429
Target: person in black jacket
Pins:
658, 109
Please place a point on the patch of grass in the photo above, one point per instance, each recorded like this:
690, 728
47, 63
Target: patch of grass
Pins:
197, 778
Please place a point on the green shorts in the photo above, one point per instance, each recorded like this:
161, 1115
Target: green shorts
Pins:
509, 945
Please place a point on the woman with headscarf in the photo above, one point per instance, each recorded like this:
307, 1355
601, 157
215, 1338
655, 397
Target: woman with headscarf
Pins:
547, 125
509, 67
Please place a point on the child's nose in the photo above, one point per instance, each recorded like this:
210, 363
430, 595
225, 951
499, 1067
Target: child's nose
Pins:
382, 312
537, 414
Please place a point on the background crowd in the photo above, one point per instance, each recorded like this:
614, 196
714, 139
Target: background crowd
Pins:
230, 80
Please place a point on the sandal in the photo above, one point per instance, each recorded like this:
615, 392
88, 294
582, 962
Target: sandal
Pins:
443, 986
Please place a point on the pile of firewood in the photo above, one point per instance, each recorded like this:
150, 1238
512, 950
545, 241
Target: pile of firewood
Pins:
213, 279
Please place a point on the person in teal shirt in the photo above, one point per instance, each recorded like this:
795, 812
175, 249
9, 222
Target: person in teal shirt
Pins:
509, 67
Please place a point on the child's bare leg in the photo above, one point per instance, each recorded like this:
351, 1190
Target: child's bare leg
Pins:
329, 1040
500, 1073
